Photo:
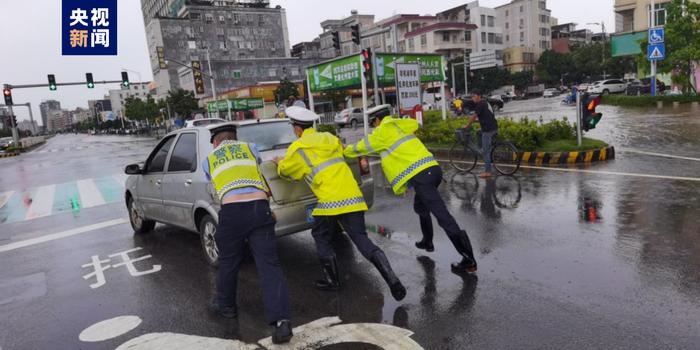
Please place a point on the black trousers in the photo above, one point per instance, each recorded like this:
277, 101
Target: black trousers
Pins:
251, 221
352, 223
428, 201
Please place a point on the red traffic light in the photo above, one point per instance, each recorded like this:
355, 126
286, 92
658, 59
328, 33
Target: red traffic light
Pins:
6, 92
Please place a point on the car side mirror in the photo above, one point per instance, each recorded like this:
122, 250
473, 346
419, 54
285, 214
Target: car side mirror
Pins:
133, 169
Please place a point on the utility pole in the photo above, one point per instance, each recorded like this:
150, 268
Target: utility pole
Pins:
211, 76
653, 62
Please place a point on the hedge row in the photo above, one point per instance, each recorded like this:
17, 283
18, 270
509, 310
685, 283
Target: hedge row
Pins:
527, 134
646, 100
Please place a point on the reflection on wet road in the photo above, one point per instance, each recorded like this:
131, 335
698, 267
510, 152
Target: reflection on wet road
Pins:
567, 259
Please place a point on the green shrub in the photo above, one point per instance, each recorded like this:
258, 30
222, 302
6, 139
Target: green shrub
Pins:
326, 128
646, 100
527, 134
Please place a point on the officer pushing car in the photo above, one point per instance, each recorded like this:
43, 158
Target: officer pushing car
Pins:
317, 157
408, 163
245, 215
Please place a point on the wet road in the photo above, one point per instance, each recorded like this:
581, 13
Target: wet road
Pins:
567, 259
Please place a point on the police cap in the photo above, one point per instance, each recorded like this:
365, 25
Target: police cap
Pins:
221, 128
301, 116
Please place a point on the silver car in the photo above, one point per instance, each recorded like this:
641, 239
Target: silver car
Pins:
350, 116
170, 187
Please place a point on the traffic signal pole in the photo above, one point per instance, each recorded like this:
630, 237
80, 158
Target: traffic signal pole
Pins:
579, 118
15, 134
653, 62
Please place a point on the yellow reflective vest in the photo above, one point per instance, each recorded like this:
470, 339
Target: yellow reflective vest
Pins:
318, 159
403, 154
232, 165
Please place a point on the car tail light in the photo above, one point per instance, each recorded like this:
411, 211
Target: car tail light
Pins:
364, 166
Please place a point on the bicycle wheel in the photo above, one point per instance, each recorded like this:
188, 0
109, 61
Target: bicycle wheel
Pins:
462, 157
505, 158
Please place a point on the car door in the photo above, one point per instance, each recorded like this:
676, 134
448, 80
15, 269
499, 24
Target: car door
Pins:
358, 115
149, 185
180, 180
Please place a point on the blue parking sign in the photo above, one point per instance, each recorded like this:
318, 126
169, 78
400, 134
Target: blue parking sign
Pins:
656, 35
89, 27
656, 52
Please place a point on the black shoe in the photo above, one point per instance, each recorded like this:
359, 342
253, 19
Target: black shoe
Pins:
331, 278
398, 291
223, 311
282, 332
427, 246
464, 247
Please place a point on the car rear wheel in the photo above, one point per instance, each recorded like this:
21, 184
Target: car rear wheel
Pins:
138, 222
207, 232
353, 124
606, 92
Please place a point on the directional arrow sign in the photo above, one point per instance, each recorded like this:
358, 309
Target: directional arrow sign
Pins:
656, 52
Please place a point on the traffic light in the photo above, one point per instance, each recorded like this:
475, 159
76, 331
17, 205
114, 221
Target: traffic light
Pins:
367, 63
125, 79
356, 34
14, 121
52, 82
7, 93
90, 82
336, 40
588, 115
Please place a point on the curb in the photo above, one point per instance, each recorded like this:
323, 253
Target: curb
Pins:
554, 158
8, 155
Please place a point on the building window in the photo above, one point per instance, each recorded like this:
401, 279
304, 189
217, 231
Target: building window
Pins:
272, 72
236, 74
507, 25
295, 71
222, 45
492, 38
467, 35
483, 37
236, 18
506, 13
222, 19
542, 5
423, 40
499, 39
522, 23
201, 29
219, 31
208, 17
195, 16
446, 37
411, 45
507, 38
521, 8
544, 18
522, 36
491, 21
544, 31
483, 20
261, 20
660, 12
192, 44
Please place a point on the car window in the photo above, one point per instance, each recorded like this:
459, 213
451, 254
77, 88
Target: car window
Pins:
267, 136
156, 161
357, 110
184, 155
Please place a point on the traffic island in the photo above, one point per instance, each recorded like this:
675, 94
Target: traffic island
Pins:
548, 158
9, 154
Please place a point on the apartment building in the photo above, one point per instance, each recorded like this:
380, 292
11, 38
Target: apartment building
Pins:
565, 35
47, 108
527, 32
118, 97
342, 26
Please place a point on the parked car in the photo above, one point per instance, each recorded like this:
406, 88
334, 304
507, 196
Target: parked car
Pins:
551, 93
5, 143
610, 86
203, 122
638, 87
170, 187
350, 116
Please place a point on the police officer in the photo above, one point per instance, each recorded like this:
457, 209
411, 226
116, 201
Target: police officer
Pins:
233, 168
318, 159
406, 162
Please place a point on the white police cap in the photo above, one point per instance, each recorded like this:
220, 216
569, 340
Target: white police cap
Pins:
301, 115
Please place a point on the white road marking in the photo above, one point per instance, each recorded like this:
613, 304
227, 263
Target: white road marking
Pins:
60, 235
53, 150
109, 329
601, 172
5, 197
42, 202
90, 195
626, 150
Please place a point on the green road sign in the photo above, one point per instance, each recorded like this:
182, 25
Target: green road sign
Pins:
342, 73
431, 67
237, 104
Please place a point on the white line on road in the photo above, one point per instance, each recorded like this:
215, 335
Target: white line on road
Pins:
5, 197
60, 235
601, 172
90, 195
42, 202
626, 150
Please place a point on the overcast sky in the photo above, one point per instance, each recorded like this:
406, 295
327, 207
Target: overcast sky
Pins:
30, 42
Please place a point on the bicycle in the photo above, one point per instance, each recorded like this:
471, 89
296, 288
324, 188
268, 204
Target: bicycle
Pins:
465, 152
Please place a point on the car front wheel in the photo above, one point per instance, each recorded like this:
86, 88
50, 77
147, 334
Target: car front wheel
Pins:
138, 222
207, 233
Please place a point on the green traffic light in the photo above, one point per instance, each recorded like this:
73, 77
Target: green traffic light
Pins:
91, 85
52, 87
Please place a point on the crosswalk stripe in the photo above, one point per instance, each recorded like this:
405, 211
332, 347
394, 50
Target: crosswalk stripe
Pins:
4, 197
90, 195
42, 202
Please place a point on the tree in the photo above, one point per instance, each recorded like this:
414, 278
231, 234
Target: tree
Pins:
521, 80
682, 42
488, 79
285, 90
552, 67
182, 102
137, 109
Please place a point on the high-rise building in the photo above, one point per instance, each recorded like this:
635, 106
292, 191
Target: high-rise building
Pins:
46, 108
485, 33
527, 29
136, 90
342, 26
246, 42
